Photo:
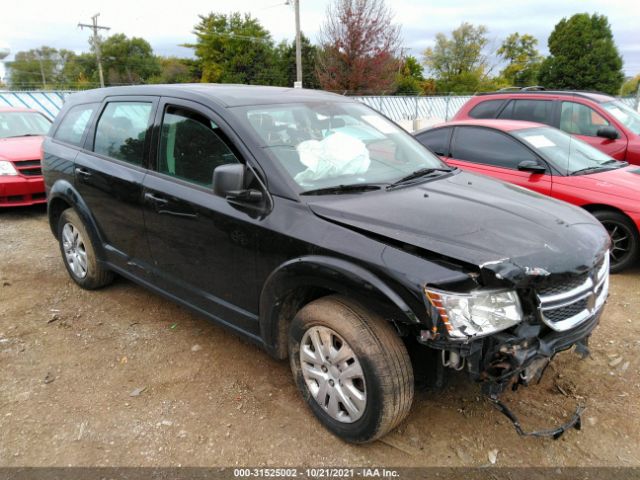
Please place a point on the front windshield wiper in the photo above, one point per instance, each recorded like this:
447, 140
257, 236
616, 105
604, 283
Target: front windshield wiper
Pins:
25, 135
612, 166
417, 174
338, 189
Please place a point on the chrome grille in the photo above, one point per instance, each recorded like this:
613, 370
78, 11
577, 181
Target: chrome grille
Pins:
563, 306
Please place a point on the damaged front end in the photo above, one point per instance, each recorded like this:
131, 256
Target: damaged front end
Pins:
509, 336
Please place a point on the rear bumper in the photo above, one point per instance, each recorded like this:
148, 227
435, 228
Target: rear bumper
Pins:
18, 191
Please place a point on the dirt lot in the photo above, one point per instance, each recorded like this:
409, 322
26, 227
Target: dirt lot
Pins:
70, 359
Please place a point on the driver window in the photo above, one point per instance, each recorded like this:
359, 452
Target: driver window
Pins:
191, 146
579, 119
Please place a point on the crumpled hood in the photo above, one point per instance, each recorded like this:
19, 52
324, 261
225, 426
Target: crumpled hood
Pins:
507, 229
20, 148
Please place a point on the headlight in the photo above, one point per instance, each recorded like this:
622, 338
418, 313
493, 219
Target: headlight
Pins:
477, 313
7, 168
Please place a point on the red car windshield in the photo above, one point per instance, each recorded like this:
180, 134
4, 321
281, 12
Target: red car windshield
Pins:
566, 153
22, 124
625, 115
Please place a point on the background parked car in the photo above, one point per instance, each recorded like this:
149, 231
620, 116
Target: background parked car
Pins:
21, 132
598, 119
551, 162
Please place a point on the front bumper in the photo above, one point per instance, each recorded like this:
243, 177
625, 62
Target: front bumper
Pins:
18, 191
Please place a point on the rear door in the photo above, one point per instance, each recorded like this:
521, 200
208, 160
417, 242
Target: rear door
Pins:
496, 154
530, 110
203, 248
583, 122
108, 175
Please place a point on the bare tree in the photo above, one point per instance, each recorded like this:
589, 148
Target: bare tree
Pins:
359, 47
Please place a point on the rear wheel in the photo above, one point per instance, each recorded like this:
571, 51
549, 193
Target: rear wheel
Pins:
351, 367
79, 254
624, 239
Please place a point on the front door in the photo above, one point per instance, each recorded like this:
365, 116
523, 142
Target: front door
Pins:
203, 248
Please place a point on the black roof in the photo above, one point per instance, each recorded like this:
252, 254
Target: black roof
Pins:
598, 97
227, 95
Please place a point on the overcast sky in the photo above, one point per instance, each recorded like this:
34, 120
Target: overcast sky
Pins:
31, 23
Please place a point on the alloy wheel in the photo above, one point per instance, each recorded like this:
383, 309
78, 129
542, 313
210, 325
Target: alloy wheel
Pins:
75, 252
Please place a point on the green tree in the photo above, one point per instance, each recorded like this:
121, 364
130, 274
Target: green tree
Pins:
175, 70
43, 67
459, 64
285, 67
234, 48
630, 87
410, 80
128, 60
523, 59
583, 56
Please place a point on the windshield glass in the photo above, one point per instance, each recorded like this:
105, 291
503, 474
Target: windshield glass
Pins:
323, 145
566, 153
19, 124
625, 115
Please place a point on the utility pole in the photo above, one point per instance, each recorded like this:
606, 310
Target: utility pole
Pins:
44, 79
96, 42
298, 84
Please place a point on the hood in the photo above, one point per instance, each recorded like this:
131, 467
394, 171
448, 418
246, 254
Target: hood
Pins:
20, 148
511, 231
622, 182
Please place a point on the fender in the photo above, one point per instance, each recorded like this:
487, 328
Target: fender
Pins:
326, 273
64, 190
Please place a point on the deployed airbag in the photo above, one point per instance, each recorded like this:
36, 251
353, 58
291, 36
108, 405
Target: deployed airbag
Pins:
336, 155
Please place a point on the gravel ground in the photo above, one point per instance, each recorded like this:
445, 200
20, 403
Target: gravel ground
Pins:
123, 377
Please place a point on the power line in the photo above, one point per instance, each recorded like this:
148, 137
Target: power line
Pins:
96, 42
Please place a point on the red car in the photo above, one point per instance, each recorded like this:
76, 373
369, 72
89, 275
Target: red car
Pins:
21, 133
596, 118
551, 162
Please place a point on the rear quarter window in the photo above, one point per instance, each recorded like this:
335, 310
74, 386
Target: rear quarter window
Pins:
74, 124
486, 109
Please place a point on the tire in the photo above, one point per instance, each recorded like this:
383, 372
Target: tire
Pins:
378, 394
625, 241
79, 253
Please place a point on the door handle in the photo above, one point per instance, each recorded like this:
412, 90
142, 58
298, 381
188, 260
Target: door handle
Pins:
159, 201
83, 172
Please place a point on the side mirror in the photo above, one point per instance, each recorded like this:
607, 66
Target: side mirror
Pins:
608, 132
531, 166
228, 182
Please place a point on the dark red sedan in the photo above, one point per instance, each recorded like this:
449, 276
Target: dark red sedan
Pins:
21, 133
551, 162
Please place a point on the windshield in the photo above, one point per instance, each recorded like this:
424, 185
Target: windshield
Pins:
324, 145
19, 124
566, 153
625, 115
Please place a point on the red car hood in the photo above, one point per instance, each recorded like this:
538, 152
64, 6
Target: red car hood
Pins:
20, 148
623, 182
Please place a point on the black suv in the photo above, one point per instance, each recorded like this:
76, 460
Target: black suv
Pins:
323, 232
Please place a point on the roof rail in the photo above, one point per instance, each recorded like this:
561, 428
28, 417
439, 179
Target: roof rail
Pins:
533, 88
509, 89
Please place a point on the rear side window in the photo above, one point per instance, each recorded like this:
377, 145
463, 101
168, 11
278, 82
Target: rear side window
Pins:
487, 109
122, 130
436, 140
540, 111
74, 124
192, 146
489, 147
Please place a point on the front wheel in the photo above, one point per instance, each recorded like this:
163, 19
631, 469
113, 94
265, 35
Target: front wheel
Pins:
351, 367
624, 239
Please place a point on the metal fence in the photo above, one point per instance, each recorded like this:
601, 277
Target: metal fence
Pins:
395, 107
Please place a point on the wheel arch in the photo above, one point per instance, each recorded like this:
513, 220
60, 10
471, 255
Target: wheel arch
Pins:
302, 280
62, 196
